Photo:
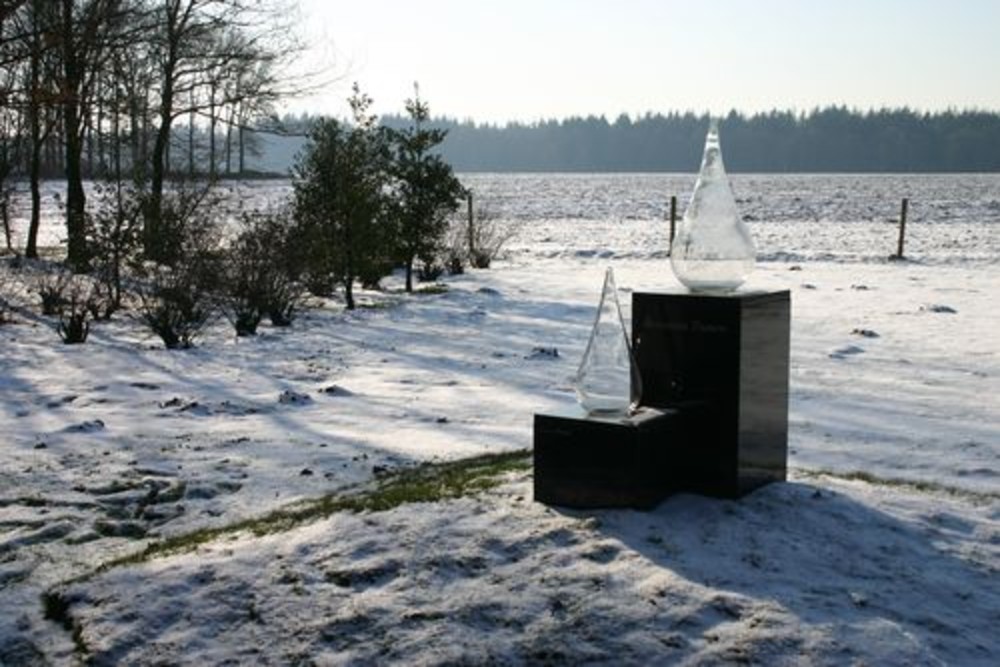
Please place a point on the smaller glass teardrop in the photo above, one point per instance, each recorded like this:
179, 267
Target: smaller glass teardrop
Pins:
607, 381
713, 250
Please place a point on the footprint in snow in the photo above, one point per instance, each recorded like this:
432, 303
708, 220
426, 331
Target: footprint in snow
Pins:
148, 386
846, 351
335, 390
289, 397
938, 308
59, 402
543, 353
86, 427
199, 409
865, 333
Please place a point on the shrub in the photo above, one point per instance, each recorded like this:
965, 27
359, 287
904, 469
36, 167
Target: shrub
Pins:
74, 314
258, 277
6, 291
245, 282
486, 237
174, 302
455, 250
370, 275
113, 236
175, 293
474, 243
284, 296
429, 270
105, 302
185, 222
319, 283
51, 287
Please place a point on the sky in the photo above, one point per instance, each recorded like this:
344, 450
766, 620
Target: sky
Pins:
527, 60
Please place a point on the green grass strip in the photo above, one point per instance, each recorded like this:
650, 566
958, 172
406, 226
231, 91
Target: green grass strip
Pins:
899, 483
425, 483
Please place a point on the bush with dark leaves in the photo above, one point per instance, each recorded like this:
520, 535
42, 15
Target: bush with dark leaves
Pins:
175, 302
52, 287
74, 314
258, 278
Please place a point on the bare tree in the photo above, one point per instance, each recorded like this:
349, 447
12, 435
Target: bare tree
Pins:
7, 10
87, 29
40, 24
11, 56
95, 87
200, 48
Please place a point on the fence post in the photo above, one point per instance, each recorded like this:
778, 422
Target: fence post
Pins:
902, 228
471, 231
673, 217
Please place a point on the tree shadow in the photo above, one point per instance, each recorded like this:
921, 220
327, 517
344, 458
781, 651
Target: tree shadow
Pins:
852, 575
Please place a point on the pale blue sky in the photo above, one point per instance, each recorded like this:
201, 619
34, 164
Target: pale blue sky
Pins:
531, 59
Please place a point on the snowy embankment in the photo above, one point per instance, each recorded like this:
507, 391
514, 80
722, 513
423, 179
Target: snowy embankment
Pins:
883, 548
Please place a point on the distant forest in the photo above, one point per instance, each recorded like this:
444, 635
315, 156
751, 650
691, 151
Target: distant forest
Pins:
833, 139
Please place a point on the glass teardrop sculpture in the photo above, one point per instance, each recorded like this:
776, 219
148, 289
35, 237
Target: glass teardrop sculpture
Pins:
607, 382
712, 251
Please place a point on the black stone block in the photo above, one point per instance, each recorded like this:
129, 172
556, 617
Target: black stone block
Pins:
587, 461
724, 357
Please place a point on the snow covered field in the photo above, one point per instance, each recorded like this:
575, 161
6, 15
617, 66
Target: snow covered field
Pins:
883, 547
794, 217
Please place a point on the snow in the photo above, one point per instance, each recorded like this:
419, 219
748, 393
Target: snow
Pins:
883, 547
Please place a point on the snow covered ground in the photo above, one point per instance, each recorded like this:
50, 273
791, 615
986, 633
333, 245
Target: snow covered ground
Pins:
794, 217
883, 547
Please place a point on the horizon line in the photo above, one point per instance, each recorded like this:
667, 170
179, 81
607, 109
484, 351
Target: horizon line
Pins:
798, 113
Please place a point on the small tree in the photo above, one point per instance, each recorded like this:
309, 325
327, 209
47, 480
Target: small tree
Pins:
341, 203
427, 191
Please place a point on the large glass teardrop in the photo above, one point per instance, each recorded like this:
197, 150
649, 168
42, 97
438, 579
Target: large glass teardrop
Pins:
607, 382
712, 251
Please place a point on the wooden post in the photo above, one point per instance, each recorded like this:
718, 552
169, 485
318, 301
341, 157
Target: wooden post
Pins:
673, 217
902, 227
471, 230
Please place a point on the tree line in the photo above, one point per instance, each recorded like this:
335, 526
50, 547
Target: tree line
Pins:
367, 200
99, 89
112, 90
832, 139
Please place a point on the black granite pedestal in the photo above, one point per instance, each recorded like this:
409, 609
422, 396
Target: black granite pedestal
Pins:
726, 355
714, 421
588, 461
